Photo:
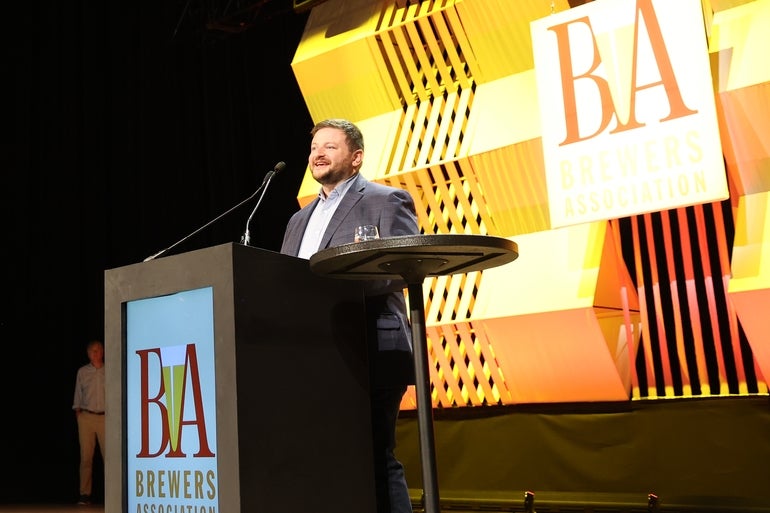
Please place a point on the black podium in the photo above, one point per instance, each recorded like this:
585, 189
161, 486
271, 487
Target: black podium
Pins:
413, 258
290, 389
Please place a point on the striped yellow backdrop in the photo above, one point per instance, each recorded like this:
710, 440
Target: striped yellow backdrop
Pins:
669, 304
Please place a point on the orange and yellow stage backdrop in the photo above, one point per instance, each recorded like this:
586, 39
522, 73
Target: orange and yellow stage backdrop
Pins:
625, 147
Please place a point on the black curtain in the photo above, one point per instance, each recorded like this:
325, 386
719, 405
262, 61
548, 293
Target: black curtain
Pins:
127, 126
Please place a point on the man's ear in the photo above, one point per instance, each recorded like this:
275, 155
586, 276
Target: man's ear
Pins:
358, 158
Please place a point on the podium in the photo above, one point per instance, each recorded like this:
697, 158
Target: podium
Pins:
270, 359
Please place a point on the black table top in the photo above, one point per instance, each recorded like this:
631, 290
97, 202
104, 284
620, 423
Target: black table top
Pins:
414, 257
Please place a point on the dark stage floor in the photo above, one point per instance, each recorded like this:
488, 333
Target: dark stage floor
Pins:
51, 508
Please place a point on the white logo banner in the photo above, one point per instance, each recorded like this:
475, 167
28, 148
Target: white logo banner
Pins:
627, 109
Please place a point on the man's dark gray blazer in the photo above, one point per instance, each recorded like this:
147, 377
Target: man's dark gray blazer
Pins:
392, 210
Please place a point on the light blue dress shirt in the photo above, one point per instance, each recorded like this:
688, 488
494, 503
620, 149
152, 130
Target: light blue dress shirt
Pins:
319, 219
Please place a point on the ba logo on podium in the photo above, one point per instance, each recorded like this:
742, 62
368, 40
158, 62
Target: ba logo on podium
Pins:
174, 400
627, 109
170, 403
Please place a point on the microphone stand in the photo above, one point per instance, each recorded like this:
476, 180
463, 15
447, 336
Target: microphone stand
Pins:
220, 216
246, 238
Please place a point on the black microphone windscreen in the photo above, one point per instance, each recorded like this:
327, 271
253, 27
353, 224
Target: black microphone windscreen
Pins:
279, 167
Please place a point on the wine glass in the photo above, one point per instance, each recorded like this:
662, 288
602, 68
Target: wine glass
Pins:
366, 232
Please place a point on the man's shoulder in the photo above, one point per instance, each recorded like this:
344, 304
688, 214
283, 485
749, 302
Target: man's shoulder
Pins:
379, 188
305, 208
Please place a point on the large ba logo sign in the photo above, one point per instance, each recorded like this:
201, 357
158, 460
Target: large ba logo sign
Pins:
627, 109
170, 404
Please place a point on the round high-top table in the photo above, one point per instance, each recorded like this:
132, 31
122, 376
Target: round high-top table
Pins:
413, 258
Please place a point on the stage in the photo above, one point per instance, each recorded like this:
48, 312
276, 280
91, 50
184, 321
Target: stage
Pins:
51, 508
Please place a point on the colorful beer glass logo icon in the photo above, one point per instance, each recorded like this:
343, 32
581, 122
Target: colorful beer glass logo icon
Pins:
177, 403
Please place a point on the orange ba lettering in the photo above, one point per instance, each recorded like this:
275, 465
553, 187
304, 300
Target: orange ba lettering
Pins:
569, 77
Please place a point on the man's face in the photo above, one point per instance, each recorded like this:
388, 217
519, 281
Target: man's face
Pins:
95, 352
331, 160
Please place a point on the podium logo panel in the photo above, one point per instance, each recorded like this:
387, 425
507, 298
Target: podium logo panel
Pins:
170, 417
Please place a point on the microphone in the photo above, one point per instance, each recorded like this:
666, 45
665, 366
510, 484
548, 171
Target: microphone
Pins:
246, 238
278, 167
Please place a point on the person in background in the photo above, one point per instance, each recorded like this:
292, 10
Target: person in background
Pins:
345, 201
89, 411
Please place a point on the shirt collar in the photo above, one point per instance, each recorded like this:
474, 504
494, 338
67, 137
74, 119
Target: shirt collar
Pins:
338, 191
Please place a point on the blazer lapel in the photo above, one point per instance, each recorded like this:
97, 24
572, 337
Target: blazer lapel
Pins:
293, 244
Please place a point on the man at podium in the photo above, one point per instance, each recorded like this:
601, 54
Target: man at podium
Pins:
347, 200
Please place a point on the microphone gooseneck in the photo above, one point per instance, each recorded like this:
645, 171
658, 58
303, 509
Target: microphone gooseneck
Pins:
246, 238
269, 176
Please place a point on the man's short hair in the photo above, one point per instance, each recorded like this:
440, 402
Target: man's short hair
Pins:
353, 134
